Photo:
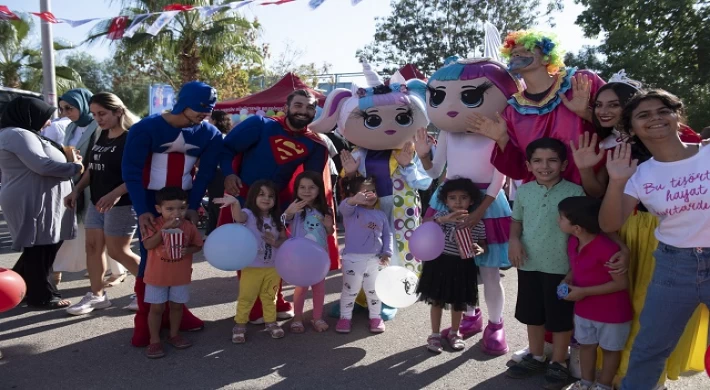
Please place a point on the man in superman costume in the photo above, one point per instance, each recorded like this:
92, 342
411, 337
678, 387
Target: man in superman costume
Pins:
277, 149
161, 151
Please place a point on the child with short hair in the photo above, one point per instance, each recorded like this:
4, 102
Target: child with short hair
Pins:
168, 273
538, 249
451, 280
602, 312
368, 248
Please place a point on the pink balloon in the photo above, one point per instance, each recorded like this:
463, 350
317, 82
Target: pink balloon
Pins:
427, 242
302, 262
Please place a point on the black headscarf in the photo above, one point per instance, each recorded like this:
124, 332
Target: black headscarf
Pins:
26, 113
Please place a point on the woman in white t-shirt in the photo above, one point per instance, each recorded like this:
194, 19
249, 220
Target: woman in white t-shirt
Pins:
674, 185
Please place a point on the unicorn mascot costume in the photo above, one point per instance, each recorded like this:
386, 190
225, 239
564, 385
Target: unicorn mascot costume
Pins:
381, 121
454, 91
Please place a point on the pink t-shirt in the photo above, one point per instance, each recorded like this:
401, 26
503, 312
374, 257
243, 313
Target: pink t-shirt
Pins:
589, 269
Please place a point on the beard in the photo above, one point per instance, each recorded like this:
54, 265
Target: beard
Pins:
299, 121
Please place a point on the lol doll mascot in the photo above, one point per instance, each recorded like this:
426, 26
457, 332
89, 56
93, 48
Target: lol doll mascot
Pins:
459, 88
381, 122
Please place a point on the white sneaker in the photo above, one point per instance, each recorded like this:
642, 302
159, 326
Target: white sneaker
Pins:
89, 303
284, 315
259, 321
575, 367
519, 355
133, 306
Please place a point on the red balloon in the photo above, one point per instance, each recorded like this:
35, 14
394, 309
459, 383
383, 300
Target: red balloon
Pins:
12, 289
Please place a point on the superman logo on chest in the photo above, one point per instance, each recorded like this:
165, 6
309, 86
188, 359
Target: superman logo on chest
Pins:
287, 149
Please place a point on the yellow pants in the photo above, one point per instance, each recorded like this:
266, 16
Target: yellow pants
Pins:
257, 283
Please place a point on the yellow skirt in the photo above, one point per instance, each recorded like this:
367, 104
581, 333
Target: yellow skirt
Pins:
638, 234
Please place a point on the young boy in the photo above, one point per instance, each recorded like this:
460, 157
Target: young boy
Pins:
169, 267
538, 249
603, 311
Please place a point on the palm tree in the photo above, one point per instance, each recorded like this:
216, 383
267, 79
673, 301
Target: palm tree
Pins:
190, 46
21, 62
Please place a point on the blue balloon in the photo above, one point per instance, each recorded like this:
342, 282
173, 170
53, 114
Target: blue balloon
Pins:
230, 247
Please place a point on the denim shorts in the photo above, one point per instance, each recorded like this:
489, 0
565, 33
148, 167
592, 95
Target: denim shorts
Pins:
610, 337
119, 221
162, 294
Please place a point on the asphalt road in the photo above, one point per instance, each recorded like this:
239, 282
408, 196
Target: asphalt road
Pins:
53, 350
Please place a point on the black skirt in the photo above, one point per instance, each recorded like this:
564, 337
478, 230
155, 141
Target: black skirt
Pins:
449, 282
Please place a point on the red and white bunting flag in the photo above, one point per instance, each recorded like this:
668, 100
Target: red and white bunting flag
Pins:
135, 25
163, 19
46, 16
177, 7
465, 241
117, 27
6, 14
76, 23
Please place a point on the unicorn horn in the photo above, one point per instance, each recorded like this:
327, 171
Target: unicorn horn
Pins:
373, 79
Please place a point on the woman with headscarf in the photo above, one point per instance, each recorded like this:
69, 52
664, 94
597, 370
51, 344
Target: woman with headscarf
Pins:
81, 134
36, 178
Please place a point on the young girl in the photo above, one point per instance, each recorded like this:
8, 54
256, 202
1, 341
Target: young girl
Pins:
673, 186
450, 280
368, 247
260, 214
309, 216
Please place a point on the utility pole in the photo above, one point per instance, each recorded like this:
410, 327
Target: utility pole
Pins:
49, 86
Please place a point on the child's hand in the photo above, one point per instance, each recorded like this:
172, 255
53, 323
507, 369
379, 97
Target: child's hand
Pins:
363, 197
226, 201
455, 217
384, 260
269, 238
516, 253
477, 249
171, 223
575, 293
295, 207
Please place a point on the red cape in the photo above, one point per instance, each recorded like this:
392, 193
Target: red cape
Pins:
286, 195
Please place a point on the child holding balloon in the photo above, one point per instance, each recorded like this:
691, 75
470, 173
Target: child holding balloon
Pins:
368, 248
260, 279
309, 217
450, 280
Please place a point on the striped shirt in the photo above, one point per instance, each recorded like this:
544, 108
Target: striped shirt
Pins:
451, 246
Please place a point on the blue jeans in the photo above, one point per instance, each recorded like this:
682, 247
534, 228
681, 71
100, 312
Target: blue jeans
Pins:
681, 281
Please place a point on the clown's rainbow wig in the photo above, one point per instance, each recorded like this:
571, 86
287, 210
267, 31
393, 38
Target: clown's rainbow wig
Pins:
470, 69
530, 39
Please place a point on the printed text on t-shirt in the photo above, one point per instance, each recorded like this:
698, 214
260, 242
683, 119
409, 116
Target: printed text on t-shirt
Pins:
680, 190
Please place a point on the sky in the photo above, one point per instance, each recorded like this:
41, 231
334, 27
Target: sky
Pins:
331, 33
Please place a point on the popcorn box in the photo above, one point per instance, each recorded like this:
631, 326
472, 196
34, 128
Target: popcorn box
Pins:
465, 243
174, 241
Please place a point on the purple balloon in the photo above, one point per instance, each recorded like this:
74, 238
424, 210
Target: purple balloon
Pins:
302, 262
427, 242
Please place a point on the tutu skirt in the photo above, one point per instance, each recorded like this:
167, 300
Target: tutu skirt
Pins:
449, 282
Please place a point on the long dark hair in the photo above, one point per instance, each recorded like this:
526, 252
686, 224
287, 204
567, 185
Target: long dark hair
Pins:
250, 204
461, 184
623, 92
638, 149
351, 186
222, 121
319, 203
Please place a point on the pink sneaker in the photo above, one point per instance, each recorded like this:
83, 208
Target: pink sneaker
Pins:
470, 326
494, 339
377, 325
343, 326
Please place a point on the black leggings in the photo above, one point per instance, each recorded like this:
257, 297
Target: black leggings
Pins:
35, 265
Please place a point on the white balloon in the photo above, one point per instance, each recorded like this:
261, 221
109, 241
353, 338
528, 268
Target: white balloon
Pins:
230, 247
397, 287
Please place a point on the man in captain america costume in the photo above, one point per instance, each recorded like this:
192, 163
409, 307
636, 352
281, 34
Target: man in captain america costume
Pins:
161, 151
277, 149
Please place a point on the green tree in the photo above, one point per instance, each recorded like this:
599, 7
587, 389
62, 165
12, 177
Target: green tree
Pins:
664, 44
189, 46
289, 60
425, 32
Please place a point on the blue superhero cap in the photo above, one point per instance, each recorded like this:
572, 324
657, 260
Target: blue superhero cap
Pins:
197, 96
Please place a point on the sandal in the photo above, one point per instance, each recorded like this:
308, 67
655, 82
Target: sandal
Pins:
155, 351
433, 344
179, 342
319, 325
275, 330
114, 281
456, 342
239, 334
297, 327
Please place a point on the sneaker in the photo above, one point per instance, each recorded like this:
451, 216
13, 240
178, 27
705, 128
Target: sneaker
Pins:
580, 386
527, 367
260, 320
519, 355
376, 325
89, 303
284, 315
155, 351
556, 376
343, 326
133, 306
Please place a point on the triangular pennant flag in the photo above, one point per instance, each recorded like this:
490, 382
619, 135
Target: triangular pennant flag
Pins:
279, 2
209, 10
117, 27
163, 19
6, 14
135, 25
177, 7
46, 16
77, 23
315, 3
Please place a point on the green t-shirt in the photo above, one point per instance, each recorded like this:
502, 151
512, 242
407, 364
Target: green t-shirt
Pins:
545, 244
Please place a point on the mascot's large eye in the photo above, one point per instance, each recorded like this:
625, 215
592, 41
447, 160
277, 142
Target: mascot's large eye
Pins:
373, 121
436, 97
473, 97
404, 119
